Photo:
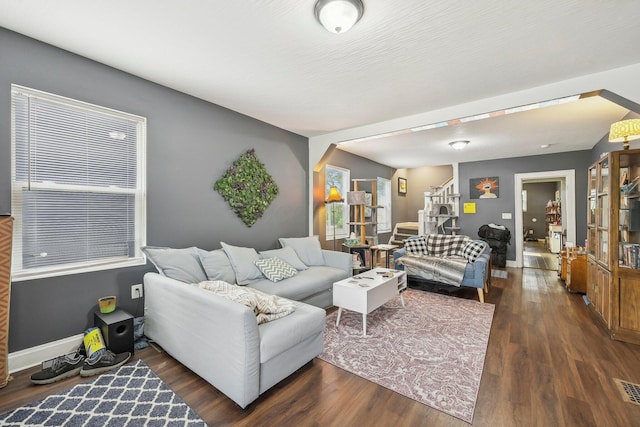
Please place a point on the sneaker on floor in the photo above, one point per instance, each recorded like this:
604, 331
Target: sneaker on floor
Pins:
103, 362
59, 368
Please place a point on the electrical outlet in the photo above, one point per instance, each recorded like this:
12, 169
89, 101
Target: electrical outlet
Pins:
136, 291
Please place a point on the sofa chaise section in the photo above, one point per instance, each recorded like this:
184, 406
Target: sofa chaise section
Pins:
220, 340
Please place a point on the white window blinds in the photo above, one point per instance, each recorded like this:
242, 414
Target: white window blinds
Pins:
78, 193
384, 200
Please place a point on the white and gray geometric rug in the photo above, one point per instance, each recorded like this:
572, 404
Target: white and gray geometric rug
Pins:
132, 395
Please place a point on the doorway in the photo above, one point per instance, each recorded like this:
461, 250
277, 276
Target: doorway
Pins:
538, 243
542, 223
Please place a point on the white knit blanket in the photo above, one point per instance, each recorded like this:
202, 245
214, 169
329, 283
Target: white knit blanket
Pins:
265, 306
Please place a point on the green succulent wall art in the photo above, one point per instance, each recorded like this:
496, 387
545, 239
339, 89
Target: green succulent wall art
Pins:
247, 187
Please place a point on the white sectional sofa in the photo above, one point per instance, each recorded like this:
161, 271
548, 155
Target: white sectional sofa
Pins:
220, 340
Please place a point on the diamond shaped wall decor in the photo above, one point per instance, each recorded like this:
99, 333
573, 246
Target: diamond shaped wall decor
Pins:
247, 187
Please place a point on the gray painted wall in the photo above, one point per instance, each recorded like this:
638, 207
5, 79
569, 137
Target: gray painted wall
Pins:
490, 210
190, 144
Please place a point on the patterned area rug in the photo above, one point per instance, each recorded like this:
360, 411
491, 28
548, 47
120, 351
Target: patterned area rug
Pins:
129, 396
432, 350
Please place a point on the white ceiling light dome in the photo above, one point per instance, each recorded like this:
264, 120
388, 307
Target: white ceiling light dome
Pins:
338, 16
459, 145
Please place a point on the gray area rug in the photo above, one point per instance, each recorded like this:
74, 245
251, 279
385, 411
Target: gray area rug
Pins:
431, 351
129, 396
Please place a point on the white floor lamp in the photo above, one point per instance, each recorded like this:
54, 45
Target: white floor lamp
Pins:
333, 198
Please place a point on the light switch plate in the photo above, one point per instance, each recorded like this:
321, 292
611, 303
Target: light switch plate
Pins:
506, 215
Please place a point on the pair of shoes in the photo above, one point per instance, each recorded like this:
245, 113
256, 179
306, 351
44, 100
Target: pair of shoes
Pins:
60, 368
76, 363
103, 361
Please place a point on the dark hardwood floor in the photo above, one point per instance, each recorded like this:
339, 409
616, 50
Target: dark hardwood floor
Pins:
548, 364
536, 255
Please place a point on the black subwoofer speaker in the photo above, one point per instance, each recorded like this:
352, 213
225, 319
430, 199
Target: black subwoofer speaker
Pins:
117, 330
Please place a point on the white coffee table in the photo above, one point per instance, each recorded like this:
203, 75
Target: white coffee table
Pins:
367, 291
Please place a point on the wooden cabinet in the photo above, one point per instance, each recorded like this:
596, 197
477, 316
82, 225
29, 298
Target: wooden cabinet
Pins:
577, 273
613, 233
573, 269
599, 290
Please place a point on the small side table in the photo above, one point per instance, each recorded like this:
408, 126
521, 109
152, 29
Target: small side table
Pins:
387, 249
362, 250
117, 330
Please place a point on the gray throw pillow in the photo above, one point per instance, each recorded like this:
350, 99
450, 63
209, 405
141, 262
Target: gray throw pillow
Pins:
307, 248
217, 265
179, 264
288, 255
243, 263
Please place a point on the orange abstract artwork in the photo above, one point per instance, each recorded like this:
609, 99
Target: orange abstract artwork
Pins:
484, 188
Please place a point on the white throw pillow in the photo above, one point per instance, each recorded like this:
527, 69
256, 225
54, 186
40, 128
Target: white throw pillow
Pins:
307, 248
179, 264
243, 263
217, 265
288, 255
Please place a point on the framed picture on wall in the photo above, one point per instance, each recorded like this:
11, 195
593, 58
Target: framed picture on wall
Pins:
402, 186
484, 188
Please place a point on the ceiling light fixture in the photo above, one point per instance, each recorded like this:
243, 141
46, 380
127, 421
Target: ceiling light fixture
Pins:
545, 146
459, 145
338, 16
625, 131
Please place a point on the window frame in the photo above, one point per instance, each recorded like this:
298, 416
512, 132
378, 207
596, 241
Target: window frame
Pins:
346, 185
17, 185
386, 201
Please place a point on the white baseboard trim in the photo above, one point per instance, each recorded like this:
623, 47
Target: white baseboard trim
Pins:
33, 356
511, 264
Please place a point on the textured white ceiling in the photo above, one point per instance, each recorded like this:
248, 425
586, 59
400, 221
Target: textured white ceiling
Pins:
271, 60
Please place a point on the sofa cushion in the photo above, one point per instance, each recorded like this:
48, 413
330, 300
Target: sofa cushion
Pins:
445, 244
288, 255
266, 307
216, 265
275, 269
473, 249
280, 336
306, 283
180, 264
243, 263
416, 245
307, 248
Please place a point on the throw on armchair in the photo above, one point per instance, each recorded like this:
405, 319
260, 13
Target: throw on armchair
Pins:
446, 259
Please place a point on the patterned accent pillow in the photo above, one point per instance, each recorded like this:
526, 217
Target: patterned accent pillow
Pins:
275, 269
445, 244
266, 307
416, 246
473, 250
